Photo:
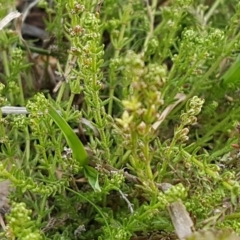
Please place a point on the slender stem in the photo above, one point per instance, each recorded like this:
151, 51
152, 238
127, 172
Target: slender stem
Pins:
124, 158
167, 159
151, 15
61, 92
42, 209
22, 101
211, 10
66, 73
98, 110
211, 173
213, 130
116, 55
97, 209
6, 70
70, 101
232, 216
27, 147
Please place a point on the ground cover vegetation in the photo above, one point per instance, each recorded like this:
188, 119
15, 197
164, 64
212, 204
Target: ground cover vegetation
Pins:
131, 123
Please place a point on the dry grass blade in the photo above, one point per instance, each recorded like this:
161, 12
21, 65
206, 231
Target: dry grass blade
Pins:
179, 98
181, 220
9, 18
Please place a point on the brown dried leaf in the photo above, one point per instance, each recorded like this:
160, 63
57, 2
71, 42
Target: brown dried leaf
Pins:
179, 98
4, 192
181, 220
9, 18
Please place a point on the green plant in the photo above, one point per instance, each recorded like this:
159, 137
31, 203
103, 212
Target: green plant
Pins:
151, 89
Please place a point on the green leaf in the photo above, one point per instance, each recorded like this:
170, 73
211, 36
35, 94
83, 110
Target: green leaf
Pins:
232, 75
78, 151
92, 175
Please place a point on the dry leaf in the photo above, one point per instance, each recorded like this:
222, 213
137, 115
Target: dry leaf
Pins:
4, 192
181, 220
179, 98
9, 18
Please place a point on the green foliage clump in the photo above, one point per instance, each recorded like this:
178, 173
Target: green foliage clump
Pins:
20, 225
144, 115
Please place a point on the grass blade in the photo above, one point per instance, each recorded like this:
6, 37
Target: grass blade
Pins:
78, 151
232, 75
92, 175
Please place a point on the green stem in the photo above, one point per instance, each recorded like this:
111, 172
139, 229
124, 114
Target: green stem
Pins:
98, 109
97, 208
211, 10
39, 51
124, 158
166, 160
211, 173
61, 92
41, 210
213, 130
232, 216
70, 101
27, 147
151, 15
22, 101
148, 160
6, 70
116, 55
63, 87
170, 36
